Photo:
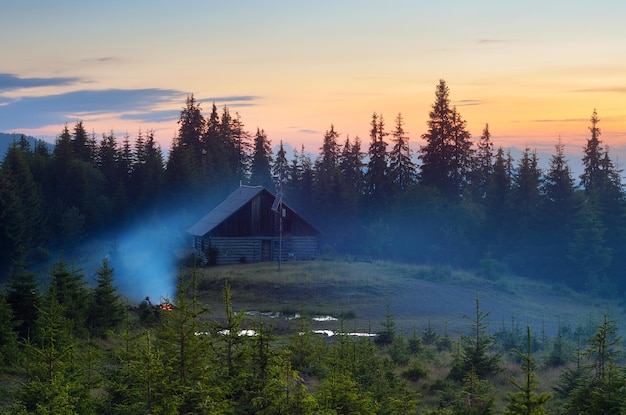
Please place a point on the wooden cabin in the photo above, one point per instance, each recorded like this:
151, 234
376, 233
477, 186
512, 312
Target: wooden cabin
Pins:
246, 227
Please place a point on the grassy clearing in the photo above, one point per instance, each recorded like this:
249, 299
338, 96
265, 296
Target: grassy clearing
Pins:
416, 295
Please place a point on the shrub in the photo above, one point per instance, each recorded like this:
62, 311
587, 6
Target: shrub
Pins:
415, 371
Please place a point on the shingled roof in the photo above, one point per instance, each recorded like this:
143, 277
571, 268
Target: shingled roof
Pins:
235, 201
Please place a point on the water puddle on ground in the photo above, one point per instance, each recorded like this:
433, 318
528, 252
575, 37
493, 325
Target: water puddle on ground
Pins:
275, 315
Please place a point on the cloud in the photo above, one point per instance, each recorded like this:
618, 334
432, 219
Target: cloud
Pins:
468, 102
490, 41
306, 131
99, 60
232, 100
9, 82
303, 130
613, 89
36, 112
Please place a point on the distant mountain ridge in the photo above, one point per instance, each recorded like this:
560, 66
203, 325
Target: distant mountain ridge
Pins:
7, 139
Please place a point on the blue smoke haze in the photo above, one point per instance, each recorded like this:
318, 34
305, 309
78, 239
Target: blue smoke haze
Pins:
145, 264
146, 256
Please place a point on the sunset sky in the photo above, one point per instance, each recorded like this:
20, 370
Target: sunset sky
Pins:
533, 70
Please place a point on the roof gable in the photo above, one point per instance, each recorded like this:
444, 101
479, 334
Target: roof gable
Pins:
236, 201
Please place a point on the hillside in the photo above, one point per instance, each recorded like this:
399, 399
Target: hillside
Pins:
415, 295
7, 139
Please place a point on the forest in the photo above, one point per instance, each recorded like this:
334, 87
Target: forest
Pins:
458, 202
69, 346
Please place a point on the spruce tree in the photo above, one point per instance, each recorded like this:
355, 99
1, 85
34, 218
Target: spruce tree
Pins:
8, 335
351, 168
182, 336
526, 401
192, 126
243, 148
526, 208
598, 390
12, 227
54, 380
146, 182
280, 168
63, 148
221, 153
483, 164
402, 169
81, 145
106, 309
592, 176
377, 178
475, 398
561, 209
68, 287
22, 295
17, 175
260, 170
476, 349
108, 162
498, 203
447, 154
589, 253
328, 184
185, 161
182, 168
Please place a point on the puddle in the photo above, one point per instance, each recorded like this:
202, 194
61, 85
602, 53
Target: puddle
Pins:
325, 318
276, 314
331, 333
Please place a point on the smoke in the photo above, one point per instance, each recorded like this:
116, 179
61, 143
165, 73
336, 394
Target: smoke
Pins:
145, 262
145, 255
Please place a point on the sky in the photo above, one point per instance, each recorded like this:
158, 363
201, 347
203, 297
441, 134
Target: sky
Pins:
533, 70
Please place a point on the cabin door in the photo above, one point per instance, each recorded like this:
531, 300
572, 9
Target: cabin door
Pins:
266, 250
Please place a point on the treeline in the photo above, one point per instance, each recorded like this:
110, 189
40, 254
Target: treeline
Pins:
67, 348
458, 202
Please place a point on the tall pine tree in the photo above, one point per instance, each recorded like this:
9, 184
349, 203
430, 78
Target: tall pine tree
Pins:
446, 156
377, 178
260, 170
402, 169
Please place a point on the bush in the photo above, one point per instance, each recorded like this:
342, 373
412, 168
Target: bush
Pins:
415, 371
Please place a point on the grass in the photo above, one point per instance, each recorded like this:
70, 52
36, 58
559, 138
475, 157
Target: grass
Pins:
417, 295
361, 293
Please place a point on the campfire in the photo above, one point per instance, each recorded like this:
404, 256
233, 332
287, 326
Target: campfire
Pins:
165, 305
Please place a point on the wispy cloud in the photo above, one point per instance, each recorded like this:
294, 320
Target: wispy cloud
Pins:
303, 130
10, 82
468, 102
490, 41
36, 112
613, 89
306, 131
232, 100
99, 60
